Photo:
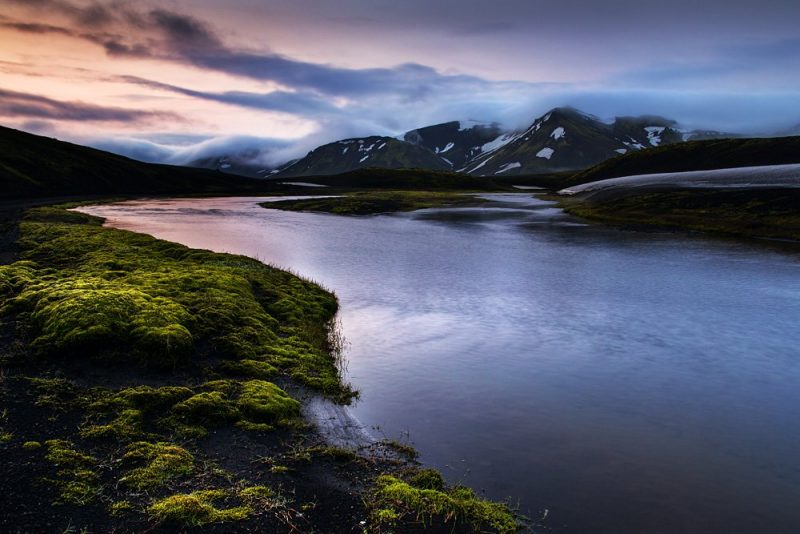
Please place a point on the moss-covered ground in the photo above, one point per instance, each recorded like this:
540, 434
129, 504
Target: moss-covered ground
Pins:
762, 213
149, 386
370, 202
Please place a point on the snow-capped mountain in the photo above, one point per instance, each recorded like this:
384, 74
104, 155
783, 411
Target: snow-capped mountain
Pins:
568, 139
456, 142
561, 139
350, 154
245, 162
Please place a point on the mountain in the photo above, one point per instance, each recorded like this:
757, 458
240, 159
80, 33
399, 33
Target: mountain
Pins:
568, 139
697, 156
456, 142
350, 154
563, 139
35, 166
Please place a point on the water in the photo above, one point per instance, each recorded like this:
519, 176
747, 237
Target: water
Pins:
624, 382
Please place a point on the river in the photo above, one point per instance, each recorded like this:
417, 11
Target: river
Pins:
613, 381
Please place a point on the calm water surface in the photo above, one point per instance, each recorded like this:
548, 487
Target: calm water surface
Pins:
624, 382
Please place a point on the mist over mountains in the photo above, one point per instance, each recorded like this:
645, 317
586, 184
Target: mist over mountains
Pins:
562, 139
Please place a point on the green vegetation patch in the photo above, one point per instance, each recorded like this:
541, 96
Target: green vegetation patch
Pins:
196, 509
264, 402
115, 296
78, 482
370, 202
771, 213
397, 500
158, 463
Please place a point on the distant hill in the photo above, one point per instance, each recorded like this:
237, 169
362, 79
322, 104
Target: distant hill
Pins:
696, 156
375, 151
36, 166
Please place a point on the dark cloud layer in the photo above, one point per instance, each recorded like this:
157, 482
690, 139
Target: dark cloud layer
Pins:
23, 105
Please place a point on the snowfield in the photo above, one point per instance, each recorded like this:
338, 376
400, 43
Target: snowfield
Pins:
545, 153
768, 176
558, 133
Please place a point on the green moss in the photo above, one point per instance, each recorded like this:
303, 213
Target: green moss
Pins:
31, 445
256, 493
127, 425
5, 437
255, 427
120, 508
771, 213
90, 314
78, 483
395, 499
427, 479
60, 394
131, 407
159, 463
196, 509
87, 291
249, 369
208, 408
262, 401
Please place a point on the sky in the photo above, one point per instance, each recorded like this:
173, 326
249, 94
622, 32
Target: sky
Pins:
178, 80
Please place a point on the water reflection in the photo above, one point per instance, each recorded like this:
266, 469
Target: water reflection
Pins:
627, 382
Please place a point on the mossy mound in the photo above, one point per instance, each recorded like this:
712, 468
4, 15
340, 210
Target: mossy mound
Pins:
397, 500
116, 296
196, 509
158, 463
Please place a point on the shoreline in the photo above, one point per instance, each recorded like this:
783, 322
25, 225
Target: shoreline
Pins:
168, 431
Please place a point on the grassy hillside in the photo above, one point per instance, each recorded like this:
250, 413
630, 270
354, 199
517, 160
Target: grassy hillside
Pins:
351, 154
696, 156
766, 213
36, 166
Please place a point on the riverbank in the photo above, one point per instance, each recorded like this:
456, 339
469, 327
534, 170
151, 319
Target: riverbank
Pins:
147, 385
749, 213
374, 202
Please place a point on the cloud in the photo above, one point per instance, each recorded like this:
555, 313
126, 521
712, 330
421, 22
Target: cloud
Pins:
166, 35
257, 151
296, 103
14, 104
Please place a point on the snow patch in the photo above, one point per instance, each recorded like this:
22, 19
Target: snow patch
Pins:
558, 133
484, 162
545, 153
633, 144
448, 161
365, 158
654, 134
621, 151
498, 142
446, 148
345, 150
382, 146
508, 166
